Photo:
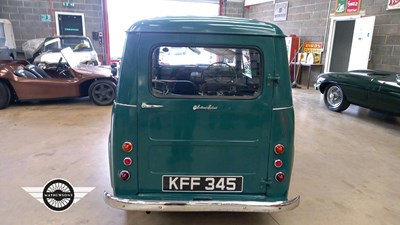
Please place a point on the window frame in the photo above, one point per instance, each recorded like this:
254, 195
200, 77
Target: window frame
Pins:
3, 34
183, 96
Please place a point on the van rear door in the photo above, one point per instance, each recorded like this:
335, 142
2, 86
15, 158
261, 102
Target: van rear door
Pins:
204, 120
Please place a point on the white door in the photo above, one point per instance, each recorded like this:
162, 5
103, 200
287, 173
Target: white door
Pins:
357, 54
361, 45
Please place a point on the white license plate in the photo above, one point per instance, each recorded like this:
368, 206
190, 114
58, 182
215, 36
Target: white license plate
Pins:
202, 183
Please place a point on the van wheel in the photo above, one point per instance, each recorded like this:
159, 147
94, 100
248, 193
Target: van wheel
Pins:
335, 99
5, 95
102, 92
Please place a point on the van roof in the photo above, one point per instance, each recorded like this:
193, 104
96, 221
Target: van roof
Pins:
215, 25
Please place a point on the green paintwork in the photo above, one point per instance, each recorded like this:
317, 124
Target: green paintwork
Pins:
377, 90
236, 139
204, 25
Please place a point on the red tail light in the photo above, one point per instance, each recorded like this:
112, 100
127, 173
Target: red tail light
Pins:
124, 175
127, 161
278, 163
279, 176
127, 146
279, 149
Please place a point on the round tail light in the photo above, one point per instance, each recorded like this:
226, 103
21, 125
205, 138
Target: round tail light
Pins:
279, 149
279, 176
124, 175
127, 146
278, 163
127, 161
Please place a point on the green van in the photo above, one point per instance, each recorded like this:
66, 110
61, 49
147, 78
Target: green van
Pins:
203, 119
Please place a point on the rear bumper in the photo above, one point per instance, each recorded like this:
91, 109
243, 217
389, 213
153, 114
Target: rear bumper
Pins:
204, 206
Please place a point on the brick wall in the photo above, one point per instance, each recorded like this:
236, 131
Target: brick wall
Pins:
233, 8
386, 39
308, 18
25, 16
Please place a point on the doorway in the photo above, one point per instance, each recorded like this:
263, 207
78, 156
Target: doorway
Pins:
349, 43
342, 41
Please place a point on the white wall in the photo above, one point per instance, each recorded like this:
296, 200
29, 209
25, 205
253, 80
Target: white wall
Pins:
123, 13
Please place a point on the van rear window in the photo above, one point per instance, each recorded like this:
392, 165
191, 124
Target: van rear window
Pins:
206, 72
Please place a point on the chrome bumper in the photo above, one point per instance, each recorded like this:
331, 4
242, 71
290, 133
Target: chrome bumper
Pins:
203, 206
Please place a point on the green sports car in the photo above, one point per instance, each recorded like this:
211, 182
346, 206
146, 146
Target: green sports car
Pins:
376, 90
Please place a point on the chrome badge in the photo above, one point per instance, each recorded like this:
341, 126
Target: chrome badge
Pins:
208, 107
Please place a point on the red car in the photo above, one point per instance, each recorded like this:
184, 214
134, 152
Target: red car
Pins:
21, 81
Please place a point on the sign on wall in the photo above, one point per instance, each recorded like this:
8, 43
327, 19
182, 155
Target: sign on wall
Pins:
45, 18
347, 7
393, 4
314, 48
280, 12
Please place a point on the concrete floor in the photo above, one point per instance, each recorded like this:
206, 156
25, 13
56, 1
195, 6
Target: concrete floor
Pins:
346, 167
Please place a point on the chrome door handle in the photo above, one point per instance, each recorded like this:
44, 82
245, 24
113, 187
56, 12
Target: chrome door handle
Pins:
147, 106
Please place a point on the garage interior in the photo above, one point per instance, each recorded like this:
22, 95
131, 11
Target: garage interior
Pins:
345, 163
345, 167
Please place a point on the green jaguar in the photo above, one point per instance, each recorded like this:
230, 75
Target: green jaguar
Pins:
376, 90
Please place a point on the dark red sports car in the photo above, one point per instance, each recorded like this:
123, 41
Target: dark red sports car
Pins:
21, 81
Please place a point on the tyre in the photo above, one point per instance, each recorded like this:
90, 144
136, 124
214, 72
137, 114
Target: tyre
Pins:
102, 92
5, 95
335, 99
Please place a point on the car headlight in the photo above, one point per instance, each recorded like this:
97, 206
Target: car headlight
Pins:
320, 80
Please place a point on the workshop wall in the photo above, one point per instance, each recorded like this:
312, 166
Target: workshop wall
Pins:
25, 16
233, 8
308, 19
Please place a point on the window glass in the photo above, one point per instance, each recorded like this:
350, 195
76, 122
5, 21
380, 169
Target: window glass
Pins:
2, 36
206, 72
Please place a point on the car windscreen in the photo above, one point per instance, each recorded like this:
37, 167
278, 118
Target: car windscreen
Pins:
75, 43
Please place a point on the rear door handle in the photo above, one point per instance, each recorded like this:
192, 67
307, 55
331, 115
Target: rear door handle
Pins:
147, 106
273, 78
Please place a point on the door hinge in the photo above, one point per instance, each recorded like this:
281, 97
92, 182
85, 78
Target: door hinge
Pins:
266, 182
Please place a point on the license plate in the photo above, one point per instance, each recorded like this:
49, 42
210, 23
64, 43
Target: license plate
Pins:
202, 183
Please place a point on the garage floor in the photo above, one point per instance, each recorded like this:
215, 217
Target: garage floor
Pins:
346, 167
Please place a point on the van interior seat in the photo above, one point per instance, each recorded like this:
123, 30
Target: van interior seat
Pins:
184, 87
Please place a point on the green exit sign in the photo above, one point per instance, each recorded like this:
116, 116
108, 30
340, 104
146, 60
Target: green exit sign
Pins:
45, 18
68, 4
